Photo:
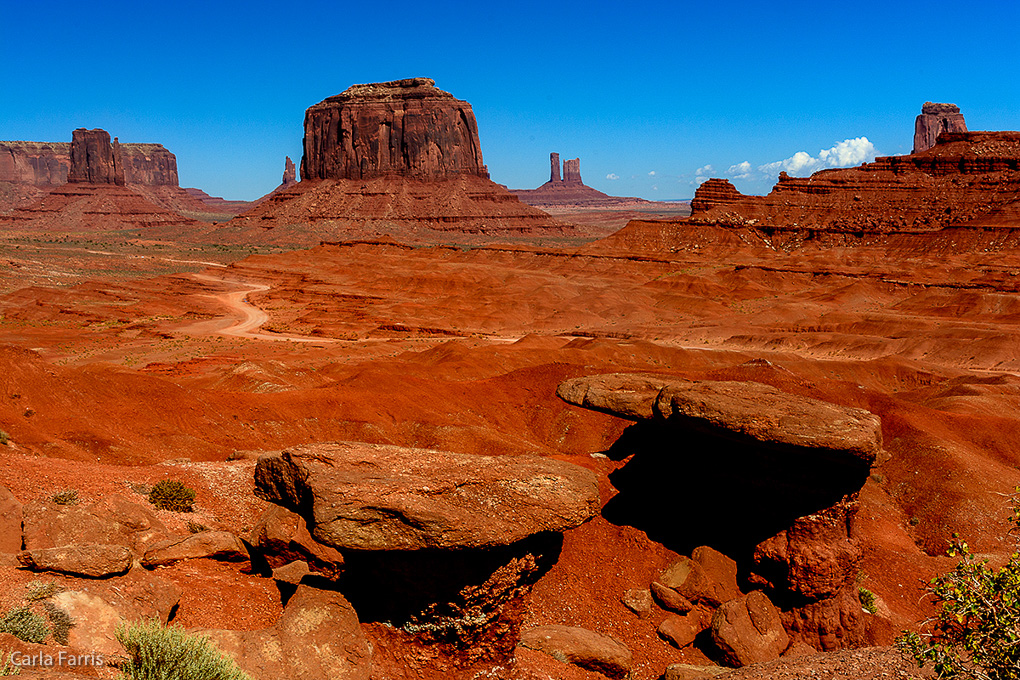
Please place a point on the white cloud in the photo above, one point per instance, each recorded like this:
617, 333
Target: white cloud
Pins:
655, 187
651, 174
847, 153
740, 170
612, 175
704, 170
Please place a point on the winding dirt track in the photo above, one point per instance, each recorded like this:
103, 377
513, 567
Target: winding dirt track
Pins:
247, 318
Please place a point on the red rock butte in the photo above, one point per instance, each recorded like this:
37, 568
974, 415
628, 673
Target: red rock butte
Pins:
933, 120
400, 159
406, 127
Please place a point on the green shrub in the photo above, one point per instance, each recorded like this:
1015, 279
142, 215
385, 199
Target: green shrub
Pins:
4, 438
976, 633
60, 620
6, 668
41, 590
171, 494
24, 624
66, 497
867, 600
156, 652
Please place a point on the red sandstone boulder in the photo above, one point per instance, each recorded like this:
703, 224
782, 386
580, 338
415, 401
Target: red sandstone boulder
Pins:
282, 537
933, 120
113, 521
745, 410
219, 545
749, 630
318, 637
370, 497
581, 647
707, 576
94, 561
682, 630
403, 127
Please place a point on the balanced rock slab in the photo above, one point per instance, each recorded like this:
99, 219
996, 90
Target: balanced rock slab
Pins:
218, 545
359, 496
735, 409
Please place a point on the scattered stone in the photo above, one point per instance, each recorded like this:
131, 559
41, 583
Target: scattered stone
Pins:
318, 637
639, 601
94, 561
10, 522
369, 497
219, 545
749, 630
670, 599
708, 576
682, 630
292, 573
581, 647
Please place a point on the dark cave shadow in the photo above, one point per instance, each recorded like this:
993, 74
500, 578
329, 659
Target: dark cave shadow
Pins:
686, 488
397, 586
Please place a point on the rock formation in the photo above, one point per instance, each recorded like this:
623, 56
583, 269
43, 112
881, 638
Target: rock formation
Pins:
404, 127
797, 462
289, 173
570, 189
399, 159
933, 120
94, 160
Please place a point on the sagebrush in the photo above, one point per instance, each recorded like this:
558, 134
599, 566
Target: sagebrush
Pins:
976, 633
173, 495
25, 624
158, 652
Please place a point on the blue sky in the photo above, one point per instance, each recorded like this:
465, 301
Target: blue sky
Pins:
631, 89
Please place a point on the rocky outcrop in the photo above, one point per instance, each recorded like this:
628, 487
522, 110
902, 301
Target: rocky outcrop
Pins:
793, 466
219, 545
967, 180
581, 647
10, 522
570, 189
740, 410
94, 160
115, 521
407, 128
318, 637
282, 538
933, 120
368, 497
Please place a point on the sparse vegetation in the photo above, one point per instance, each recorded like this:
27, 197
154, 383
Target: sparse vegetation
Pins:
173, 495
976, 633
61, 622
41, 590
66, 497
867, 600
24, 624
157, 652
196, 527
6, 667
5, 438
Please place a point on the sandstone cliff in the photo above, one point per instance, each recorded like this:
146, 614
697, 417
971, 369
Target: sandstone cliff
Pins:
94, 160
405, 127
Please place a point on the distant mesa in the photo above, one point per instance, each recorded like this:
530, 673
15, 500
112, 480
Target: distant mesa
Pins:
570, 190
933, 120
400, 159
30, 170
405, 128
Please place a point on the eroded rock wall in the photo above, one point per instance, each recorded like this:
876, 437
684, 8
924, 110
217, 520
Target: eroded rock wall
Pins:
407, 128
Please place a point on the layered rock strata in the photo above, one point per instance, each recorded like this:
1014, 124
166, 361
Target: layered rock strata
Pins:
933, 120
47, 164
94, 160
792, 467
406, 127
